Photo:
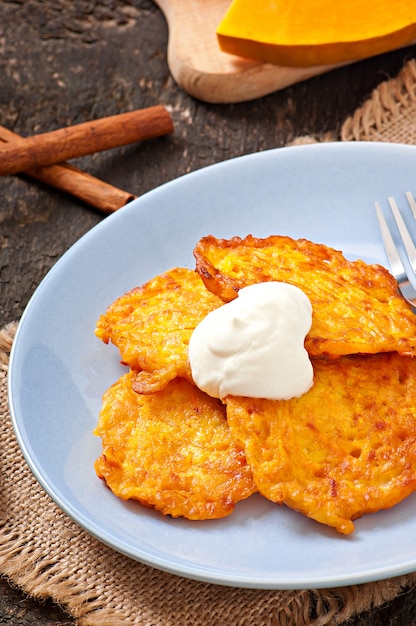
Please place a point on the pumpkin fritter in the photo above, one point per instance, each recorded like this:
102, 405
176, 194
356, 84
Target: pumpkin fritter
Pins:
151, 325
356, 306
171, 450
345, 448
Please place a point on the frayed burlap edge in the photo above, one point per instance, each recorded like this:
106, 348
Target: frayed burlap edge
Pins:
48, 556
389, 114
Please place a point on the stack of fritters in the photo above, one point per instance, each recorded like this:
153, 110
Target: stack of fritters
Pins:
345, 448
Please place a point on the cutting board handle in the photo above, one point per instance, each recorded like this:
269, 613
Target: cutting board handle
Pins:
205, 72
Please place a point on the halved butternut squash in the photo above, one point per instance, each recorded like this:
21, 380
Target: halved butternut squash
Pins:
304, 33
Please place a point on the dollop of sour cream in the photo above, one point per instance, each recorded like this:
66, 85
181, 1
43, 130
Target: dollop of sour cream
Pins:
254, 345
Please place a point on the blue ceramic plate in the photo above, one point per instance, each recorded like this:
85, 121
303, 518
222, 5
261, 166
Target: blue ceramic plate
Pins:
59, 370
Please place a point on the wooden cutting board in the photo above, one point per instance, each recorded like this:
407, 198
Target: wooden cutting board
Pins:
202, 70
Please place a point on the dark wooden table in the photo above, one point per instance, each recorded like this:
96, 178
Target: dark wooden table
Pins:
63, 62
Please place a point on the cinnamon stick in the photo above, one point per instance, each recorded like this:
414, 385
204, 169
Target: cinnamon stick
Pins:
86, 138
75, 181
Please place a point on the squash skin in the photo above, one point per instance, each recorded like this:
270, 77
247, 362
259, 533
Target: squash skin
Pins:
274, 33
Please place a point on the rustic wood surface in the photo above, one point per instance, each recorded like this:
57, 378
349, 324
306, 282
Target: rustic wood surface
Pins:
65, 62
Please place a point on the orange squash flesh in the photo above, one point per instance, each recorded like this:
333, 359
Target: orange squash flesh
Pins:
321, 32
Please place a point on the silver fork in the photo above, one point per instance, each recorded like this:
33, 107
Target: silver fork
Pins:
396, 265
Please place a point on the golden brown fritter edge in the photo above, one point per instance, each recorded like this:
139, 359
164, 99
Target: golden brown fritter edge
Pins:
151, 326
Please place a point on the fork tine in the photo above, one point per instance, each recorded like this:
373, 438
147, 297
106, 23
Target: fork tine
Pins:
412, 202
404, 233
396, 265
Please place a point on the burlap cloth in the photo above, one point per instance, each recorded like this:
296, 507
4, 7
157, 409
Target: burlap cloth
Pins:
49, 556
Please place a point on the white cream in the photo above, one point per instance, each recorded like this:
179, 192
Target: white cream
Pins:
254, 345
